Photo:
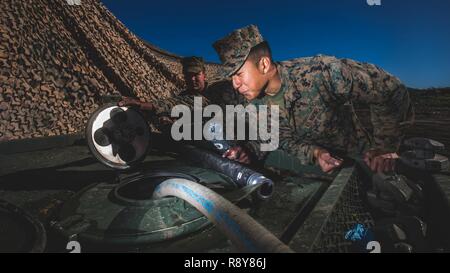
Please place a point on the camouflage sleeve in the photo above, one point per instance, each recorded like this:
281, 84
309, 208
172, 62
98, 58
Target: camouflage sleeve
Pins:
390, 105
222, 94
164, 107
289, 142
292, 144
254, 147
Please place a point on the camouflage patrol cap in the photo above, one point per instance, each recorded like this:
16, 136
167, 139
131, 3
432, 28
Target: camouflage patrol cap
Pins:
234, 48
193, 64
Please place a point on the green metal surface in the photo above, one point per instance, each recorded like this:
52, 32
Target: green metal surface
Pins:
109, 221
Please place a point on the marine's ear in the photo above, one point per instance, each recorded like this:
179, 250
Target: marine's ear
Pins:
264, 64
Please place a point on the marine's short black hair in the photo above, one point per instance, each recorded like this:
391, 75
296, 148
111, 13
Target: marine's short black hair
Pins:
259, 51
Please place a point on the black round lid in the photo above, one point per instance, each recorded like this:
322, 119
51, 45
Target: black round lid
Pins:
118, 137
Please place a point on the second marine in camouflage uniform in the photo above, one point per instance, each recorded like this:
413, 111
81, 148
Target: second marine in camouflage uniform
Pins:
220, 92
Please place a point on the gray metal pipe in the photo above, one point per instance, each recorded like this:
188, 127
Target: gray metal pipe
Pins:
244, 232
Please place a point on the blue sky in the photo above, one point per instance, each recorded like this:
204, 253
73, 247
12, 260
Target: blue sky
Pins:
410, 39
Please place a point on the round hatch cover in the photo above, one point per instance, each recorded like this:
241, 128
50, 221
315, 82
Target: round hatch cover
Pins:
125, 217
118, 137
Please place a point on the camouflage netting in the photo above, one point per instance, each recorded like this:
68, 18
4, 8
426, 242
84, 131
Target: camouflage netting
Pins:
58, 60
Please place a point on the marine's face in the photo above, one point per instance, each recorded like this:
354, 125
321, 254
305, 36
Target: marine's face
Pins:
195, 81
249, 80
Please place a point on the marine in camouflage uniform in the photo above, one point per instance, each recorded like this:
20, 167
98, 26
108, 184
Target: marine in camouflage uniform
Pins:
220, 92
316, 99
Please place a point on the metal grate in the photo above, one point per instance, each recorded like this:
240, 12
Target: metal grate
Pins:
339, 210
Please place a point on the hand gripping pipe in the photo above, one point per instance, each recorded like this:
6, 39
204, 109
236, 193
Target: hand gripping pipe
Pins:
244, 232
241, 175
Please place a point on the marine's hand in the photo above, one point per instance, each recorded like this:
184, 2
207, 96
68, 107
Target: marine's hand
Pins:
238, 154
128, 101
326, 162
165, 120
379, 161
